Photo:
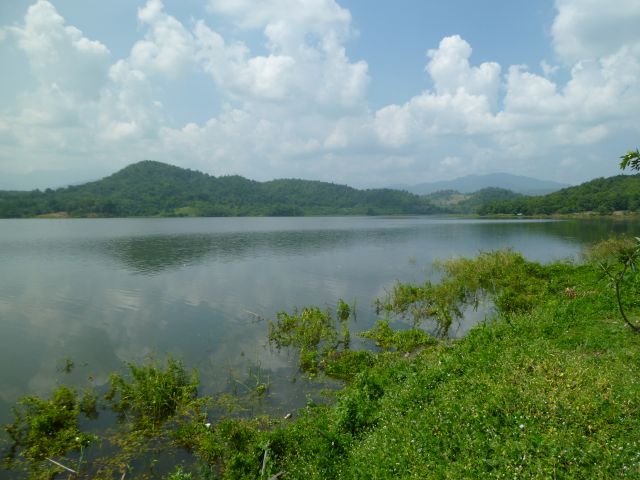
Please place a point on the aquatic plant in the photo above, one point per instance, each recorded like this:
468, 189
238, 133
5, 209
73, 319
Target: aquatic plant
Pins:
151, 393
46, 429
314, 332
504, 277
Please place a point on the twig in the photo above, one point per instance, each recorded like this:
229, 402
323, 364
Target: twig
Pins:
257, 316
277, 475
61, 465
264, 461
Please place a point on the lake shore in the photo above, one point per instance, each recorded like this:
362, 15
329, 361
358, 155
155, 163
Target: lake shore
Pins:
548, 391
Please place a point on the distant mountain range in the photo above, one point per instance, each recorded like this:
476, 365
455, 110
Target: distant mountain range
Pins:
149, 188
473, 183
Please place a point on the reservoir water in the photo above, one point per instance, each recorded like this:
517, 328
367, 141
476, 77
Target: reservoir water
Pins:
101, 292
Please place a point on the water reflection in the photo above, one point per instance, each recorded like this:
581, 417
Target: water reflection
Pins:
107, 291
152, 254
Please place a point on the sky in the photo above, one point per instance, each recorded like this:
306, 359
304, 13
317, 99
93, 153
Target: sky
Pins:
391, 92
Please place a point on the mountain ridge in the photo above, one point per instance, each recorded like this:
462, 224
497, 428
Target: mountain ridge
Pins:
600, 195
474, 182
150, 188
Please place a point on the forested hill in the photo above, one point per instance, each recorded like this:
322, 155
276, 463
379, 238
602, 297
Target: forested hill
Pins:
602, 195
151, 188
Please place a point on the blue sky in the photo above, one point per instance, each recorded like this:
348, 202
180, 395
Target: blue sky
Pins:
353, 91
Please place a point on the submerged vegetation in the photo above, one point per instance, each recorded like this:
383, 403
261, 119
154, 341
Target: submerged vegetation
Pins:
546, 388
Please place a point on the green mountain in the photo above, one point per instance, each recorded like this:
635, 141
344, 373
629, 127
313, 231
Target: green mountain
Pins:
151, 188
473, 183
602, 195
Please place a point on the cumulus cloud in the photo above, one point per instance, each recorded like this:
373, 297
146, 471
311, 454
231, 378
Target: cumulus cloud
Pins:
523, 117
60, 54
451, 72
167, 47
289, 25
307, 65
298, 106
591, 29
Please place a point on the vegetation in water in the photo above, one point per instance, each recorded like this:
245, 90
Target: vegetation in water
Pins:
150, 394
316, 334
45, 429
546, 388
506, 278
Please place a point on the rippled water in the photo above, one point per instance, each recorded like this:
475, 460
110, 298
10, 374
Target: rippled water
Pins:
103, 291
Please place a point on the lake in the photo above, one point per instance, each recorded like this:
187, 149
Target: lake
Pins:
101, 292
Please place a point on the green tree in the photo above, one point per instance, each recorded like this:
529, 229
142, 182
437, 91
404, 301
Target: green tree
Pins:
631, 159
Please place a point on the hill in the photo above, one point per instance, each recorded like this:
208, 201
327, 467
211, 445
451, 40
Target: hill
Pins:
602, 195
151, 188
452, 201
473, 183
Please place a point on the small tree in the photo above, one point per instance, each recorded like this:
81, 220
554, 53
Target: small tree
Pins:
618, 260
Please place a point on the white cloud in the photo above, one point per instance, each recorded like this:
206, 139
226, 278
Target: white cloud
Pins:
298, 107
291, 26
590, 29
60, 53
451, 72
536, 119
167, 47
307, 66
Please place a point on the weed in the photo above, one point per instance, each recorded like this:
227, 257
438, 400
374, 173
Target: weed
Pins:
401, 340
504, 276
313, 332
48, 428
151, 394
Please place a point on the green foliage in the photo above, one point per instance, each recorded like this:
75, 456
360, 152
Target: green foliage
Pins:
602, 195
346, 364
548, 389
505, 277
401, 340
617, 260
234, 447
179, 474
631, 159
156, 189
46, 428
313, 332
151, 394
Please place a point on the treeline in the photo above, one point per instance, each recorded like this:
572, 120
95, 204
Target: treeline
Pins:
602, 195
452, 201
151, 188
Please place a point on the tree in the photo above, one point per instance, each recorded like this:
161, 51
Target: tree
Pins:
631, 159
618, 259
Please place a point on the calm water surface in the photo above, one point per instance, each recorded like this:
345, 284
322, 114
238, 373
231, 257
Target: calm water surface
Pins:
106, 291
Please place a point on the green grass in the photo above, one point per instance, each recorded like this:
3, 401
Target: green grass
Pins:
549, 388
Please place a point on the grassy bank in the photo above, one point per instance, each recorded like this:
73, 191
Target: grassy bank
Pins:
548, 388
